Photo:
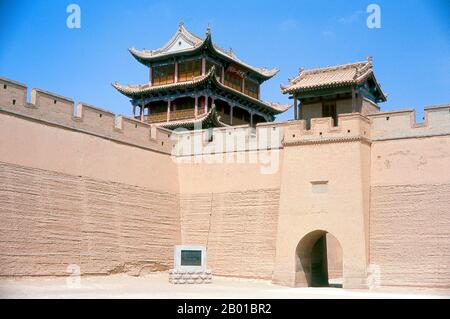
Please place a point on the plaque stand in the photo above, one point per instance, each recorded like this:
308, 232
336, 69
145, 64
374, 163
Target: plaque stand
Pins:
177, 276
190, 266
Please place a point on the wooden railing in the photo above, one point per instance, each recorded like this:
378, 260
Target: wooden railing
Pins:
174, 116
157, 117
182, 114
225, 118
187, 114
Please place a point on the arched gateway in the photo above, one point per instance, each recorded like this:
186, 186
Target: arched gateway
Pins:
318, 260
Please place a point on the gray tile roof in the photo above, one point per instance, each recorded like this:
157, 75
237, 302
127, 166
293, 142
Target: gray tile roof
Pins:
196, 42
333, 76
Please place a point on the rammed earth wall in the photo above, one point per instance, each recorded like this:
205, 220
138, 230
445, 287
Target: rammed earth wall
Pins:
50, 220
80, 185
238, 227
410, 205
102, 196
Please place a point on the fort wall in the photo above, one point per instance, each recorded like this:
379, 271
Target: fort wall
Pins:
49, 133
56, 110
402, 123
229, 195
324, 188
51, 220
233, 208
410, 198
238, 227
81, 185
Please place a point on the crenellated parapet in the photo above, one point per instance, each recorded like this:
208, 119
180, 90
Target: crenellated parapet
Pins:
53, 109
351, 127
12, 93
402, 124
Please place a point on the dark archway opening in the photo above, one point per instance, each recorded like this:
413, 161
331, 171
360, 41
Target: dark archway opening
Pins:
319, 260
319, 267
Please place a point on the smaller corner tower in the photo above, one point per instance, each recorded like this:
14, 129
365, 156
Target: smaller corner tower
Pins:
330, 91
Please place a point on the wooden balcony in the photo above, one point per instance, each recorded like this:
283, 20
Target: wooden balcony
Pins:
188, 114
182, 114
157, 117
174, 116
225, 118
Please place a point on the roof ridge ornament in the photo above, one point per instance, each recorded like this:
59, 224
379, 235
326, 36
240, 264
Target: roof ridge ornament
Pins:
302, 68
180, 25
208, 29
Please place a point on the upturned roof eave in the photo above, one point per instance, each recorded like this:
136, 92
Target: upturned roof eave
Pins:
363, 72
251, 99
211, 115
383, 97
207, 44
157, 89
308, 89
209, 77
148, 60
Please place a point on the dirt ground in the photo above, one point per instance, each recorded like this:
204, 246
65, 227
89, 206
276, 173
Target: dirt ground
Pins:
158, 286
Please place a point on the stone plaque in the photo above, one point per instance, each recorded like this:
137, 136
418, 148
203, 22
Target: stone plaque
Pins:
191, 258
190, 265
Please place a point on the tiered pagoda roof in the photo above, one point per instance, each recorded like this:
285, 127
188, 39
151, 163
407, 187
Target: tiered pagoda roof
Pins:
224, 79
345, 75
192, 44
209, 79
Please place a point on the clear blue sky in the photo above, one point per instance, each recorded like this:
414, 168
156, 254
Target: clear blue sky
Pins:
411, 51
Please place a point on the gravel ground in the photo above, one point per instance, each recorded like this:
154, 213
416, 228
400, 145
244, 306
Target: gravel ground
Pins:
158, 286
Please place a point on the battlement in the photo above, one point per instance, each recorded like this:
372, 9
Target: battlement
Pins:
352, 126
402, 123
57, 110
12, 93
